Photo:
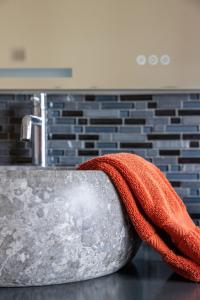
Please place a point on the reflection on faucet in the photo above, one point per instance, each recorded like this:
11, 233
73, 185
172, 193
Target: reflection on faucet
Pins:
38, 122
112, 287
26, 128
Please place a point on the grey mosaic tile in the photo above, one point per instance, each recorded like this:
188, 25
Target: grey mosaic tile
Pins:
131, 137
102, 124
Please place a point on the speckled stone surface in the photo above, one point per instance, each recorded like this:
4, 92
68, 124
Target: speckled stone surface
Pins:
59, 226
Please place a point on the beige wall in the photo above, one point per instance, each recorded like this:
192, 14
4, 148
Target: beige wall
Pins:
100, 41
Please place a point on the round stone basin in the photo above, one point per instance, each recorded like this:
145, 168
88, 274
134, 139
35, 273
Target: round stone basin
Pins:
59, 226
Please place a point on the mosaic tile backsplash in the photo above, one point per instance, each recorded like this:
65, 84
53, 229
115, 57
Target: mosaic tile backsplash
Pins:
165, 129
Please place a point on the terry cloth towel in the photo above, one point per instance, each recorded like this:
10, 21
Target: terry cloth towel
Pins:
156, 211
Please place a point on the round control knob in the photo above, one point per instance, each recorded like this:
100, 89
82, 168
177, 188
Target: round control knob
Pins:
153, 59
165, 59
141, 59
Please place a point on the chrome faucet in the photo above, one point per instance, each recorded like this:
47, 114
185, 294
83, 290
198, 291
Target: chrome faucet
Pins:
38, 122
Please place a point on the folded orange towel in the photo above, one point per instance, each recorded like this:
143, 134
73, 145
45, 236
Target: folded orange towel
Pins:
156, 211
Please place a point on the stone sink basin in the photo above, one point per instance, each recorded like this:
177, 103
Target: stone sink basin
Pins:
59, 226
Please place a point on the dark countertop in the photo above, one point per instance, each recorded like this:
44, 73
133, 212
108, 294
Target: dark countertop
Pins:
146, 277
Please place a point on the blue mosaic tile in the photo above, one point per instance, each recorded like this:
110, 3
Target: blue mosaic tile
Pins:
88, 105
192, 199
141, 105
133, 137
182, 176
147, 129
164, 129
100, 129
95, 113
163, 168
106, 145
181, 128
175, 168
131, 129
190, 153
124, 114
117, 105
65, 120
194, 192
191, 104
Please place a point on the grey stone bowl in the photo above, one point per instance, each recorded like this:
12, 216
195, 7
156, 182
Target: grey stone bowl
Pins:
59, 226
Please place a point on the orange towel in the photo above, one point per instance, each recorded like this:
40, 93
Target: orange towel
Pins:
156, 211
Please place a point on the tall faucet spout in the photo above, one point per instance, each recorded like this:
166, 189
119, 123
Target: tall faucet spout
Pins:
34, 128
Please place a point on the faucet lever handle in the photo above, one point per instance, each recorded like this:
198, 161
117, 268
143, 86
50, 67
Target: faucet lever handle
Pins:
35, 100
